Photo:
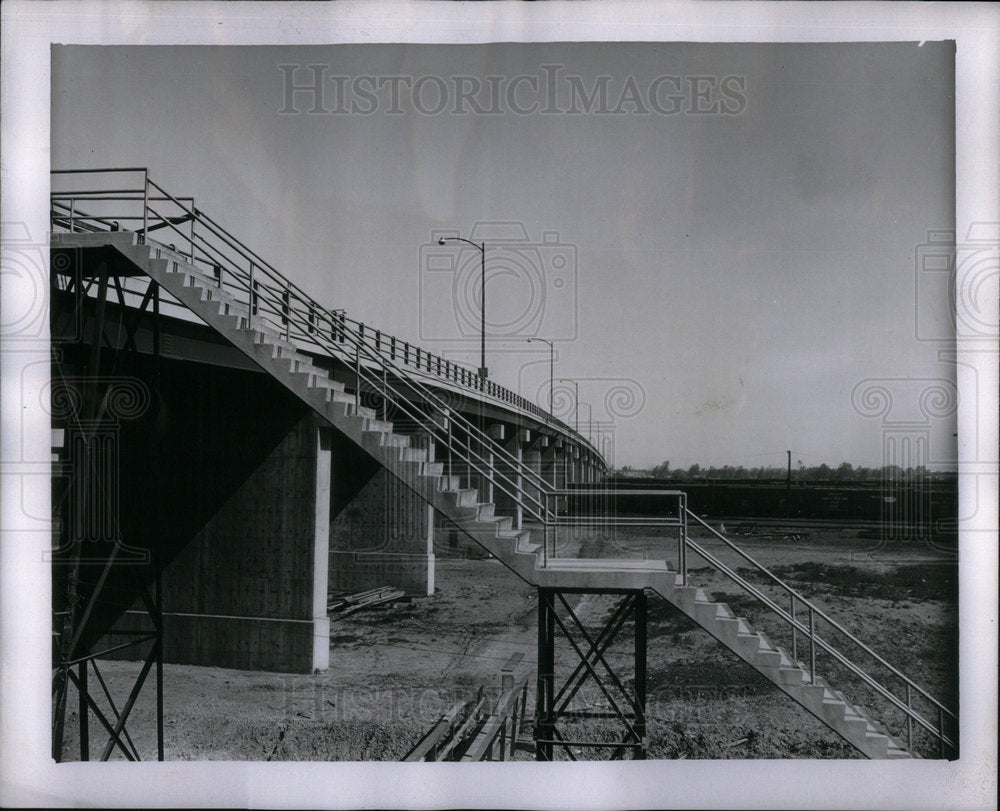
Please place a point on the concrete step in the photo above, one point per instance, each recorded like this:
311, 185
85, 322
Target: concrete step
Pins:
321, 381
210, 292
784, 675
413, 454
503, 523
732, 627
707, 611
341, 396
361, 411
465, 498
607, 565
749, 645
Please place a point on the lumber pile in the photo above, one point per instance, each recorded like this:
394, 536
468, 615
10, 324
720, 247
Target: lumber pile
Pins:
342, 605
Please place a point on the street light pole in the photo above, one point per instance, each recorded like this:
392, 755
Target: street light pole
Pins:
590, 421
552, 364
576, 402
481, 247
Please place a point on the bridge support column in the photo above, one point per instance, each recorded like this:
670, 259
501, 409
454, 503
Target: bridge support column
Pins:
564, 713
533, 460
506, 505
382, 536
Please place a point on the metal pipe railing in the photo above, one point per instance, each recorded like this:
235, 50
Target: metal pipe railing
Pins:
218, 256
467, 379
809, 629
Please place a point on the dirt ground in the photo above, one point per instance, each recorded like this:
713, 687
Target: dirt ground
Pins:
395, 669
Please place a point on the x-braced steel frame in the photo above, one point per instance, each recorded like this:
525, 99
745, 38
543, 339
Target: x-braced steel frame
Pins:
93, 467
621, 706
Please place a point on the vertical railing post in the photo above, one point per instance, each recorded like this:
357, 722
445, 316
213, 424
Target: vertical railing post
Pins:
812, 646
357, 377
192, 231
941, 749
795, 631
145, 204
72, 213
545, 529
286, 296
491, 477
251, 299
451, 463
385, 396
909, 720
682, 541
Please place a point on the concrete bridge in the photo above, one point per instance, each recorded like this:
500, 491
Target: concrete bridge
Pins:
227, 451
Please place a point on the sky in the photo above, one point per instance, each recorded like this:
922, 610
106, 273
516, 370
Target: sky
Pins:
724, 242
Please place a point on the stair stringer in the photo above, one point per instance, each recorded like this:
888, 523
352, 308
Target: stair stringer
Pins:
513, 548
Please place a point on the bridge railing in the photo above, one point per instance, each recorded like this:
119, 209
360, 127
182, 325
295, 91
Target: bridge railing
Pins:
383, 365
608, 523
215, 249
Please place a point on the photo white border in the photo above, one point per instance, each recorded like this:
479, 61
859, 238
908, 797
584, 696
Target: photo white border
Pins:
27, 774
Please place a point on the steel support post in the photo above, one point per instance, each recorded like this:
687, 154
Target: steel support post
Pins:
546, 674
555, 705
84, 712
640, 673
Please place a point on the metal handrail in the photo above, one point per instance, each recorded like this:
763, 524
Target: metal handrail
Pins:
804, 626
285, 299
815, 639
354, 338
481, 386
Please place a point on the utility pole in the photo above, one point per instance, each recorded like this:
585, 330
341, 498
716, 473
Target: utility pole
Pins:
788, 487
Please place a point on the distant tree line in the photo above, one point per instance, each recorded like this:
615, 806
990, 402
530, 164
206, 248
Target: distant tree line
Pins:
845, 471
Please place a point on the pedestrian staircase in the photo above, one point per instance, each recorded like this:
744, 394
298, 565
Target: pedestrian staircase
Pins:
450, 462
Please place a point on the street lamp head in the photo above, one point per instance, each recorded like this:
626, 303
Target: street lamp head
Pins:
441, 241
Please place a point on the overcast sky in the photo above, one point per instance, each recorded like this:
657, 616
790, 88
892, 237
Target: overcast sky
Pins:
722, 240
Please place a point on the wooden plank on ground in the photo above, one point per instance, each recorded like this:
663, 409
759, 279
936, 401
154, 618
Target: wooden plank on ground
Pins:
436, 734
